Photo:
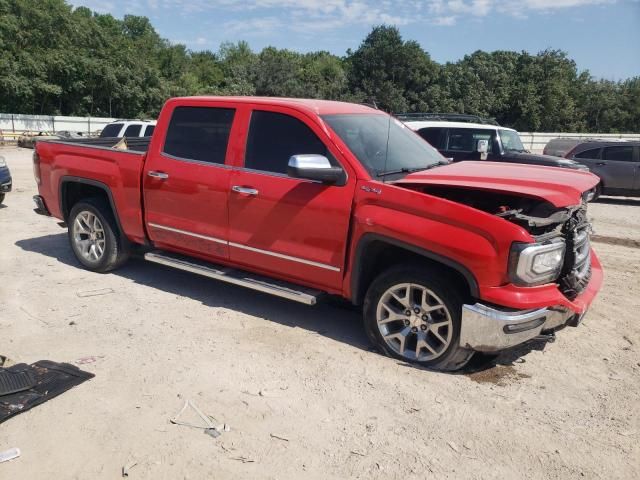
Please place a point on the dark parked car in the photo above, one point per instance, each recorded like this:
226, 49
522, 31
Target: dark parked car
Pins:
5, 179
468, 137
617, 163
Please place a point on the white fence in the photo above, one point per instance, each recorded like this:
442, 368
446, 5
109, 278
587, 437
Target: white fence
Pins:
15, 123
535, 142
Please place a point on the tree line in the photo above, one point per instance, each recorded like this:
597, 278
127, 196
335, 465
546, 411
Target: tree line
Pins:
55, 59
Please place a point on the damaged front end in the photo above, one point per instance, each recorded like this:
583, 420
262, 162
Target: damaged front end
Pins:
561, 251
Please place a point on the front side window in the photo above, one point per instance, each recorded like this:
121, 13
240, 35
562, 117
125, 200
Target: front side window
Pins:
466, 139
275, 137
111, 130
621, 154
132, 131
593, 153
383, 144
199, 133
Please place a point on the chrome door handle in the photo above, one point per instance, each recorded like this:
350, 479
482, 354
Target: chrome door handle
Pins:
244, 190
160, 175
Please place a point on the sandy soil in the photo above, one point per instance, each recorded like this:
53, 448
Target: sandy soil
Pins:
299, 387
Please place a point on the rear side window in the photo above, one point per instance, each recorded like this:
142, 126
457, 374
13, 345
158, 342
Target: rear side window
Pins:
149, 131
111, 130
434, 136
276, 137
199, 133
466, 140
132, 131
593, 153
622, 154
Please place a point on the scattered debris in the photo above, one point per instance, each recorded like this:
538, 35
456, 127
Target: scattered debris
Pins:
628, 433
50, 379
627, 339
127, 467
33, 317
209, 427
243, 459
284, 439
454, 447
9, 454
5, 361
355, 452
72, 322
89, 359
95, 293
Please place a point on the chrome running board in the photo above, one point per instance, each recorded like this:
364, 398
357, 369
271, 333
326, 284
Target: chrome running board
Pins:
237, 277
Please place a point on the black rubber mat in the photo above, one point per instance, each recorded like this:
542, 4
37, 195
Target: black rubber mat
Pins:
49, 379
16, 380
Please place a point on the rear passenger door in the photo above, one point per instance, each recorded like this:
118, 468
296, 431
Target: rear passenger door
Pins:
186, 183
618, 162
283, 226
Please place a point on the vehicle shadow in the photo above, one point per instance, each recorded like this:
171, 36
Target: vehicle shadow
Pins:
333, 318
619, 201
327, 318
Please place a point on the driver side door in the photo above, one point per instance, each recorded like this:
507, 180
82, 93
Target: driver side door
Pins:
284, 226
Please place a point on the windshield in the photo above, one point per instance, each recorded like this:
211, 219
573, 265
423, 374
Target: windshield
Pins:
511, 141
366, 136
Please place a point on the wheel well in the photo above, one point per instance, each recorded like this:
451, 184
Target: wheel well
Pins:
73, 192
385, 255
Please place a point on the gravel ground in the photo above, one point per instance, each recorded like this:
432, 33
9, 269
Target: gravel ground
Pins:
302, 393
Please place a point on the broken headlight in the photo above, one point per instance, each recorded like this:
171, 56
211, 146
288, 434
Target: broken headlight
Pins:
533, 264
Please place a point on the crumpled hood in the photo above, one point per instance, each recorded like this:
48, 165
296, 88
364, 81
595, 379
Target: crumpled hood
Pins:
539, 159
559, 186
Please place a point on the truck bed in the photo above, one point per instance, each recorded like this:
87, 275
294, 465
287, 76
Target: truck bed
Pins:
135, 144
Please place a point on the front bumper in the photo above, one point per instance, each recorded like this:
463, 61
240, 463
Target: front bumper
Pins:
490, 329
5, 181
487, 329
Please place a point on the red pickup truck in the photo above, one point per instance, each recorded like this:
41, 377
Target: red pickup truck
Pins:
303, 198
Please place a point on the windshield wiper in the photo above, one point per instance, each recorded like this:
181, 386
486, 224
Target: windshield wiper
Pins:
409, 170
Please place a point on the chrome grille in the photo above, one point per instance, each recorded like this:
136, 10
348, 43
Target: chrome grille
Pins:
576, 272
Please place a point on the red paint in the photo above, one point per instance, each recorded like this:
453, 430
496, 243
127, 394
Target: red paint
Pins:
318, 223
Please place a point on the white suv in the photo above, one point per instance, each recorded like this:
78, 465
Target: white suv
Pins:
129, 128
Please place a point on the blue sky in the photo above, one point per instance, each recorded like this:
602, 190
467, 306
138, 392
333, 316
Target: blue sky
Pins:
602, 36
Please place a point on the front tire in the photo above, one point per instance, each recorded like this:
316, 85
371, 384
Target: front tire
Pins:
94, 236
2, 197
414, 314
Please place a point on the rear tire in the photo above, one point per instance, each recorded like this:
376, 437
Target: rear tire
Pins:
94, 236
2, 197
414, 314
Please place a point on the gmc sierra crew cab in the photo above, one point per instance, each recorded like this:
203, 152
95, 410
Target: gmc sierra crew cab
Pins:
306, 198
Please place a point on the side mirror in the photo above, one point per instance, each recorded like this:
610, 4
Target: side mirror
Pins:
315, 167
483, 146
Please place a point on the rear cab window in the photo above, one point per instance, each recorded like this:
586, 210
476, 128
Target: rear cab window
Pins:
275, 137
149, 130
199, 134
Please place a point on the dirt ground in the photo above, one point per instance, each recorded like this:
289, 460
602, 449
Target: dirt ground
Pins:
299, 387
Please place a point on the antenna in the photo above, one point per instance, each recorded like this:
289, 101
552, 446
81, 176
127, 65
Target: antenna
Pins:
386, 153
